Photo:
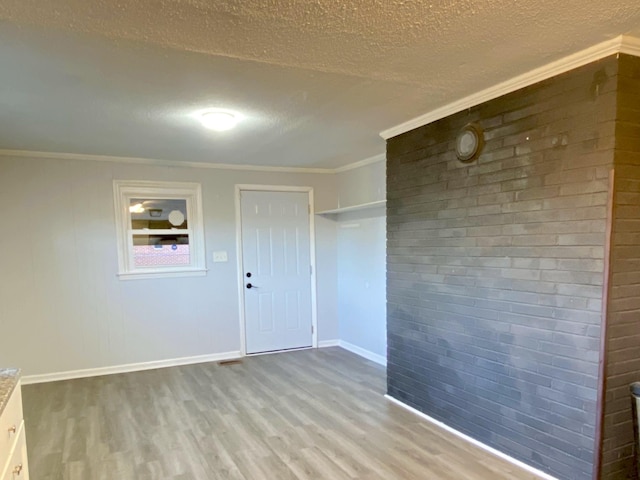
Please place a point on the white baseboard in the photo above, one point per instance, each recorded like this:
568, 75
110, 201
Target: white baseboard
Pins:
374, 357
472, 440
174, 362
131, 367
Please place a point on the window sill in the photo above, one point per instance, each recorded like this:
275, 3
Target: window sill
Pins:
198, 272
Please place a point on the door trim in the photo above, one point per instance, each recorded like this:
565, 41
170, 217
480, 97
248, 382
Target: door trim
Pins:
239, 188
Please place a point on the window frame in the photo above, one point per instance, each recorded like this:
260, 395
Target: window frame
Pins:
123, 192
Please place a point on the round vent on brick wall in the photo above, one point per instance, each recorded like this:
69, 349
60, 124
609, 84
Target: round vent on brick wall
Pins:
469, 142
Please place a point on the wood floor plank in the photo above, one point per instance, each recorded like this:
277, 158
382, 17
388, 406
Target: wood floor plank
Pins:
313, 414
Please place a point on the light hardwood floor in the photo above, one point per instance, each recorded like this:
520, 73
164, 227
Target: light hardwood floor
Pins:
313, 414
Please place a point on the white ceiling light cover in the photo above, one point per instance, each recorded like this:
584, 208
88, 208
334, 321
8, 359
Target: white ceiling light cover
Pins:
219, 120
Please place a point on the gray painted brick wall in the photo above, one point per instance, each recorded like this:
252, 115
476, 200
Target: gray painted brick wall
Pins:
623, 316
495, 269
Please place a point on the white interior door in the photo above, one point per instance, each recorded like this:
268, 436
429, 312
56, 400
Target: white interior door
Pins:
277, 270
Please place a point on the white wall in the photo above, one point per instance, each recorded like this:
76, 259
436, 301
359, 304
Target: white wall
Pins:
63, 308
362, 262
362, 185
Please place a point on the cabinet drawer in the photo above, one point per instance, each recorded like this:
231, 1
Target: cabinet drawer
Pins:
17, 467
10, 422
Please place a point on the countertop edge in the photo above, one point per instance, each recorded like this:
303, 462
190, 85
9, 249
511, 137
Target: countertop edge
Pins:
9, 380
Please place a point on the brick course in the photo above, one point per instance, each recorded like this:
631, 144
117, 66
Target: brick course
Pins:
623, 315
495, 268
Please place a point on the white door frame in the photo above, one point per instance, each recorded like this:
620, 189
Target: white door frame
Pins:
312, 247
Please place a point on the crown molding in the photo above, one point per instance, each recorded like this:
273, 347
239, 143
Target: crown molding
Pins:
381, 157
621, 44
157, 162
173, 163
630, 46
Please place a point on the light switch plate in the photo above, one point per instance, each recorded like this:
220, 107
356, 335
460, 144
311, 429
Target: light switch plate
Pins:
220, 256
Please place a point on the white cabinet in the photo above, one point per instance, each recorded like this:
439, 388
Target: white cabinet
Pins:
13, 443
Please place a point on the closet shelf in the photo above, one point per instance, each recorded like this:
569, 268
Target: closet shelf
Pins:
354, 208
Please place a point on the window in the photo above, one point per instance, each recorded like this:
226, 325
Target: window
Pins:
160, 229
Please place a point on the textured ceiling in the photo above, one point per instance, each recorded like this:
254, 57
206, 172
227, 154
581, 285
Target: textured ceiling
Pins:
316, 80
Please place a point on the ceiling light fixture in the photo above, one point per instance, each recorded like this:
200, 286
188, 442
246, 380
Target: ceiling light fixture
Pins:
137, 208
219, 120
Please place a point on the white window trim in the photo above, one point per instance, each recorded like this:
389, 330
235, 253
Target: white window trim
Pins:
123, 191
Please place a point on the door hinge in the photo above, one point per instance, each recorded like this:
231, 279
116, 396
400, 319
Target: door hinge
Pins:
311, 329
310, 269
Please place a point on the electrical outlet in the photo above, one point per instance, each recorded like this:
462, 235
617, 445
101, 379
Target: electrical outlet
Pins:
220, 256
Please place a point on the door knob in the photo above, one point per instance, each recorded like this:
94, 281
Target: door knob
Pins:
251, 286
